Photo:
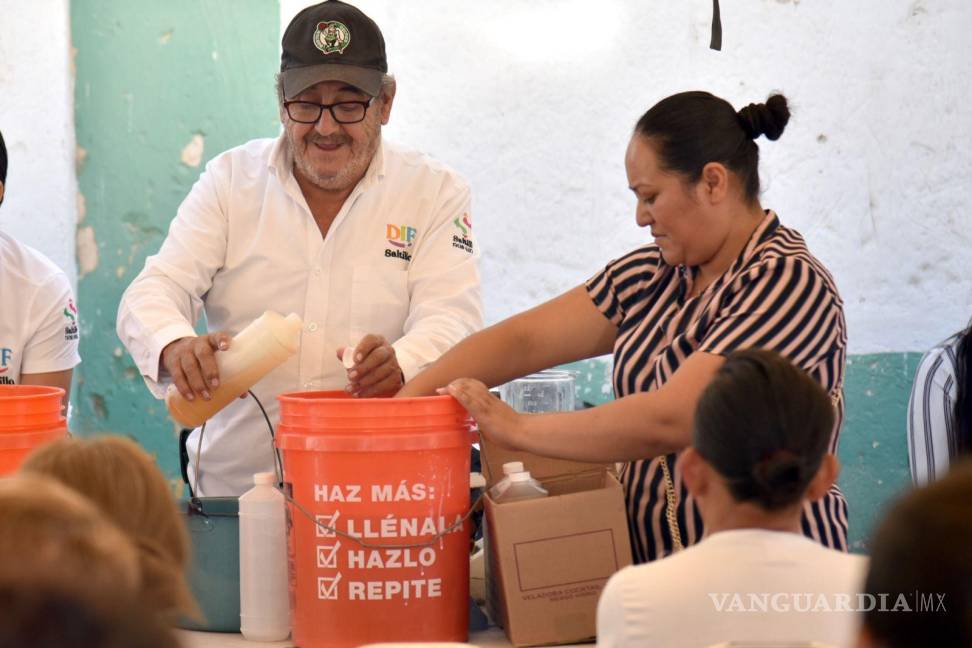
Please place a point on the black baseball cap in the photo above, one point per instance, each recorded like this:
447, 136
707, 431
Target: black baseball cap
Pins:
332, 41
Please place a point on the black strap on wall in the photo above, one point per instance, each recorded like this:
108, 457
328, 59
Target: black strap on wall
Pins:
716, 42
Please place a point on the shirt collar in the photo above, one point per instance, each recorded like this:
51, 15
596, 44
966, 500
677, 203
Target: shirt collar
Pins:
763, 231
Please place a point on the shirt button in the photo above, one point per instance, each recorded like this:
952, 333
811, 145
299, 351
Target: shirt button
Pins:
312, 326
317, 271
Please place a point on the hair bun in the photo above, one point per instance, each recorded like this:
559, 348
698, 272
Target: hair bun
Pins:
778, 477
767, 119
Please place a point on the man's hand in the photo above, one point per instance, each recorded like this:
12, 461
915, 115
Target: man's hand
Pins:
375, 371
191, 361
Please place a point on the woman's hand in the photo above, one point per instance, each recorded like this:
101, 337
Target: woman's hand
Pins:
497, 421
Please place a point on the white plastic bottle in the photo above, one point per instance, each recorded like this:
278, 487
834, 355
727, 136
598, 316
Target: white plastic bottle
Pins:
265, 344
522, 487
509, 468
264, 593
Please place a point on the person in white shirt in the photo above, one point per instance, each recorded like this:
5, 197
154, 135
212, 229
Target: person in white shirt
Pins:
369, 243
38, 319
759, 451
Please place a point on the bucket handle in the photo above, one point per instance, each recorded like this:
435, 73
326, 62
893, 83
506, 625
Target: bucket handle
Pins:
195, 506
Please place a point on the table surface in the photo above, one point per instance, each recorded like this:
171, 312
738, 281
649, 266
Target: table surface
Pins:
491, 638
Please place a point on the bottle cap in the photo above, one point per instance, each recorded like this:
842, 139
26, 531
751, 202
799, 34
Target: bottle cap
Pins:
511, 467
265, 478
520, 476
347, 359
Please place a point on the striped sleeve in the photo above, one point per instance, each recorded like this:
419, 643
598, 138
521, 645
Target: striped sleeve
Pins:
931, 439
784, 304
615, 288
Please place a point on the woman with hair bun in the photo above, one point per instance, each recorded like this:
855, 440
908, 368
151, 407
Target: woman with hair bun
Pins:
753, 577
722, 274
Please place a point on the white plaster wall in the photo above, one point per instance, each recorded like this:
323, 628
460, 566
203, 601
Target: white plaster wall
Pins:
37, 121
534, 101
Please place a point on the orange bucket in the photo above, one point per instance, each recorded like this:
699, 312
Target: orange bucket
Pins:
30, 415
390, 475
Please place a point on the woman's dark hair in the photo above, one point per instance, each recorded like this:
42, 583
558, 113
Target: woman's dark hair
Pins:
692, 129
921, 552
764, 425
962, 415
3, 160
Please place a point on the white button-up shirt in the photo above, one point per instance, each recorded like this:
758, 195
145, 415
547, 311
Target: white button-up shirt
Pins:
399, 260
38, 319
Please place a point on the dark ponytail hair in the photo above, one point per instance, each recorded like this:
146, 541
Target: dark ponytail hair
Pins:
3, 160
764, 425
691, 129
962, 415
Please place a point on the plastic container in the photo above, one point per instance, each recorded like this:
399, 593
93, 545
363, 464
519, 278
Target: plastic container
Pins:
522, 487
30, 416
214, 573
551, 390
499, 487
255, 351
264, 595
389, 475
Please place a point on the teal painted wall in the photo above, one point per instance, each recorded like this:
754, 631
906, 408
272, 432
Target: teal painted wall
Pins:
150, 77
873, 445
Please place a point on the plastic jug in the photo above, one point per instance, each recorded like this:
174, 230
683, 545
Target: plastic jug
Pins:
550, 390
264, 593
261, 347
522, 487
499, 487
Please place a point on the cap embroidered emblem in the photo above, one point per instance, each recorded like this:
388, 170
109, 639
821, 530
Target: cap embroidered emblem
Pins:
332, 37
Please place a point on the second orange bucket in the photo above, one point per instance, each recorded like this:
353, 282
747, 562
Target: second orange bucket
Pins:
387, 476
30, 416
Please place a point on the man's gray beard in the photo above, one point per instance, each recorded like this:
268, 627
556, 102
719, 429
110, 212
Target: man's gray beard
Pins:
347, 176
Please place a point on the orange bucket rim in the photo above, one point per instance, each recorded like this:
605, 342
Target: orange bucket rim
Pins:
29, 392
335, 395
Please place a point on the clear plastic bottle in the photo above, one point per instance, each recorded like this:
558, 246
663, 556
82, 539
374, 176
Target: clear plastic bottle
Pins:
522, 487
262, 346
509, 468
264, 593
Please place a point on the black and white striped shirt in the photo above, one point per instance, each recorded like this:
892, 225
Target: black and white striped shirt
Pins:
775, 296
932, 439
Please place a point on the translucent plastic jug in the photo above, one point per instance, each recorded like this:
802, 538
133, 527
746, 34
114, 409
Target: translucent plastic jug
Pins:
522, 487
254, 352
546, 391
509, 468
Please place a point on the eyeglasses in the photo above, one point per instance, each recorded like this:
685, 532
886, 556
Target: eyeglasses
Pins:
343, 112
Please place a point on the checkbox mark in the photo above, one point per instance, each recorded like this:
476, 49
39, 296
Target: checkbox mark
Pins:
327, 587
327, 556
326, 520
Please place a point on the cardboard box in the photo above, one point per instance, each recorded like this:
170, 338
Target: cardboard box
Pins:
548, 559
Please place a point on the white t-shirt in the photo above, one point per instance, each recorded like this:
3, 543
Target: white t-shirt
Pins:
399, 261
717, 590
38, 318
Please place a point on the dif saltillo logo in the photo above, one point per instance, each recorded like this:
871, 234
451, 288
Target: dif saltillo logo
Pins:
400, 236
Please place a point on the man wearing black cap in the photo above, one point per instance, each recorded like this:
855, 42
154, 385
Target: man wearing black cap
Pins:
369, 243
38, 319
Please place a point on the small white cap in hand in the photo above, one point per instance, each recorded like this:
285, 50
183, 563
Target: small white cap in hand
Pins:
347, 358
